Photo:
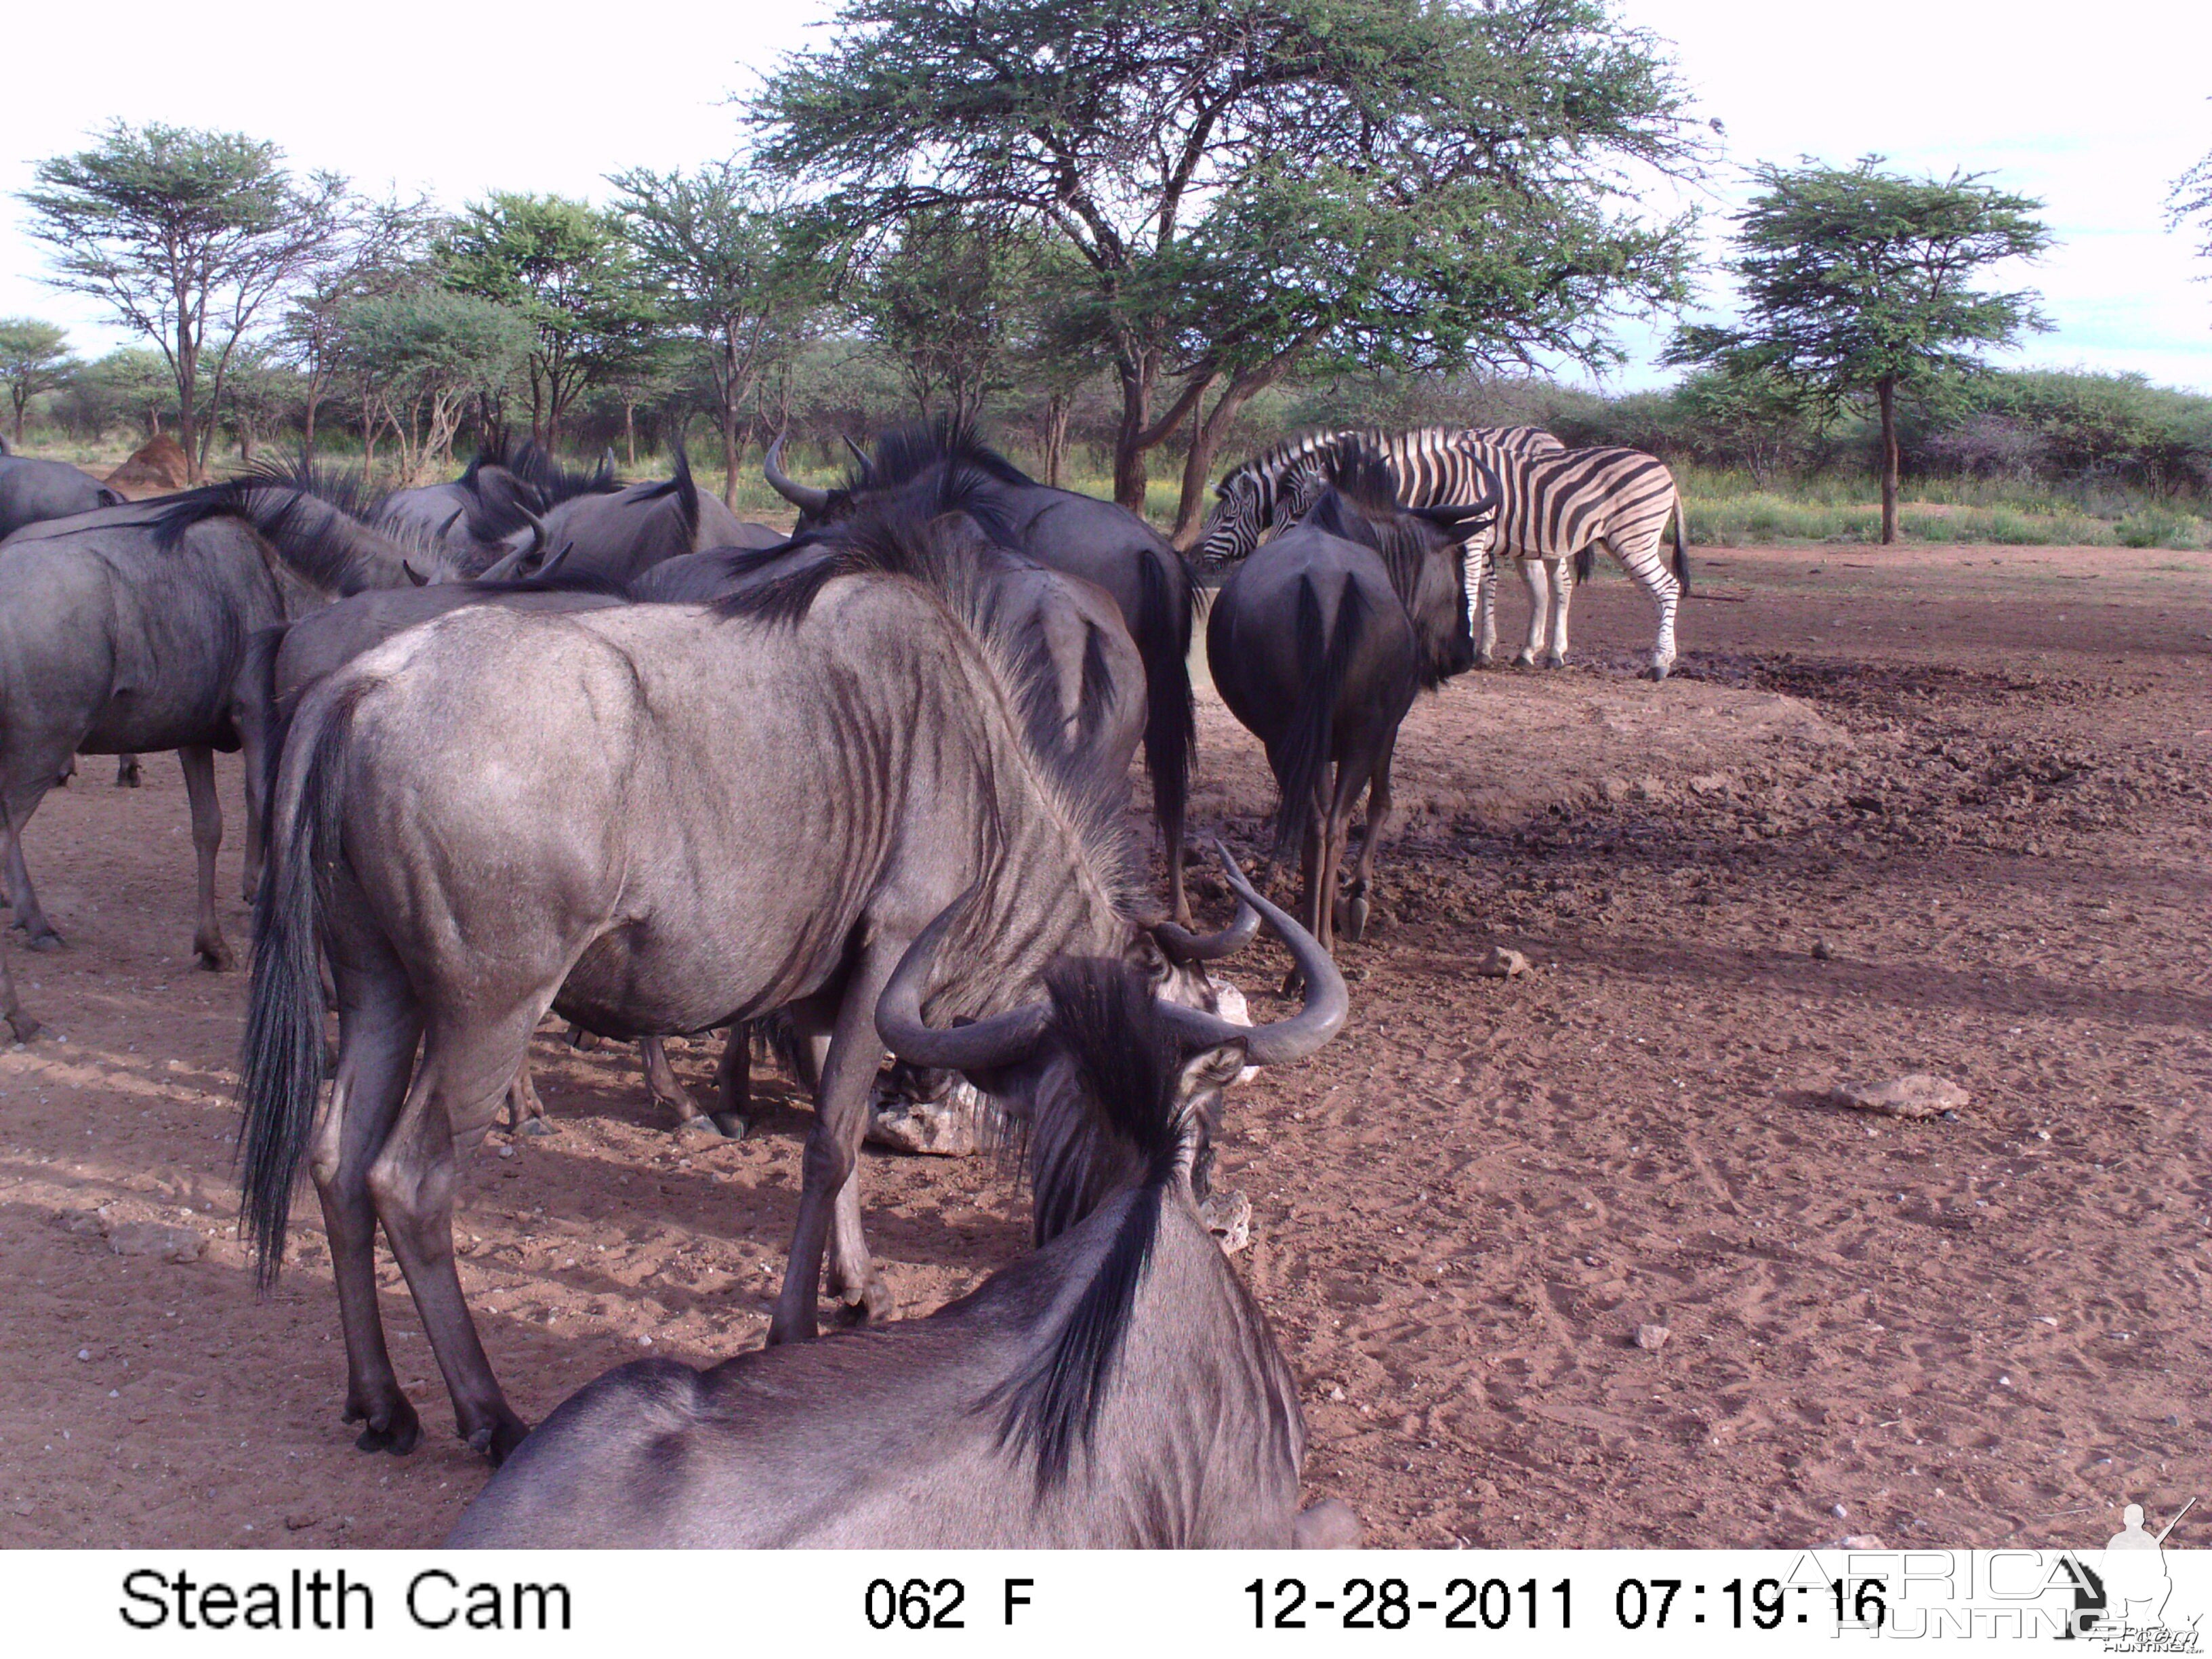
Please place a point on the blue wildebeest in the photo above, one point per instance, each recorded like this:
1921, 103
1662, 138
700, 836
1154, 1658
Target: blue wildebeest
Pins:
1318, 642
1084, 537
124, 630
476, 516
617, 536
32, 491
1119, 1388
649, 818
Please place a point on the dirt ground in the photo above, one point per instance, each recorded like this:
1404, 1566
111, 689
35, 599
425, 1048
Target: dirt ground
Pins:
1899, 811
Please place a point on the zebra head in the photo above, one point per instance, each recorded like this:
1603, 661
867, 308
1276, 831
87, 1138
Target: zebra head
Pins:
1239, 518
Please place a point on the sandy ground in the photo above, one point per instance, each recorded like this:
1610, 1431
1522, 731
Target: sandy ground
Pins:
1979, 781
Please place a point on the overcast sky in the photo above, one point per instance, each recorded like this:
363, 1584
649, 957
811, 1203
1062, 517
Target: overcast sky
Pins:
2094, 110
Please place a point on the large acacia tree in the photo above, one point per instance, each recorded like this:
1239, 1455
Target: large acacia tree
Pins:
34, 357
1404, 182
1859, 283
186, 234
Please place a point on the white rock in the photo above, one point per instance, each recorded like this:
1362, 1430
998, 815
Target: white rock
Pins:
1499, 963
1652, 1338
1916, 1094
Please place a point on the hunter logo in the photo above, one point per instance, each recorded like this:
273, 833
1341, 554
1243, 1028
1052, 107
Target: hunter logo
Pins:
2120, 1603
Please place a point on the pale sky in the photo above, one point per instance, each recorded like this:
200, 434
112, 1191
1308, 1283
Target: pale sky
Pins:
2094, 109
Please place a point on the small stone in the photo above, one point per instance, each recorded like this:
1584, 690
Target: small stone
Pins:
1918, 1095
1822, 952
1839, 1511
85, 1224
300, 1523
84, 1353
1652, 1338
178, 1244
1336, 1392
1497, 962
507, 1152
1228, 1217
1857, 1541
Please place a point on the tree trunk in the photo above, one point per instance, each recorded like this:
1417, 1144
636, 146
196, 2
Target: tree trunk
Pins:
1886, 391
1055, 436
18, 422
730, 457
307, 429
629, 431
1129, 446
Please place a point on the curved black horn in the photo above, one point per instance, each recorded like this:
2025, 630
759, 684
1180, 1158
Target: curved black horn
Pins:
1184, 946
1283, 1040
1451, 514
999, 1041
860, 459
805, 498
509, 565
413, 574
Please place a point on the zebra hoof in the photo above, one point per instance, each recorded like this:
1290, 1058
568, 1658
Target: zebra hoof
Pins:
1553, 659
1657, 672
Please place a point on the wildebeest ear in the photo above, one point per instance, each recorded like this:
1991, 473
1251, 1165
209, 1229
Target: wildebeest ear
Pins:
1148, 958
1210, 1068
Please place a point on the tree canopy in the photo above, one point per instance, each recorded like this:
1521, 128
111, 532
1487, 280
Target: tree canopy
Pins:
1857, 282
34, 357
186, 234
1249, 180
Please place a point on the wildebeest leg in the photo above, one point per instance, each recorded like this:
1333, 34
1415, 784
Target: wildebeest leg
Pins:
126, 771
1563, 589
20, 1023
1336, 831
1531, 576
840, 1118
525, 1113
19, 806
207, 838
1378, 820
413, 1180
733, 1083
668, 1089
1313, 899
378, 1024
254, 755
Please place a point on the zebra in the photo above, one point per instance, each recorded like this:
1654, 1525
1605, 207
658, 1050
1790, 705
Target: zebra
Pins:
1564, 506
1434, 465
1556, 507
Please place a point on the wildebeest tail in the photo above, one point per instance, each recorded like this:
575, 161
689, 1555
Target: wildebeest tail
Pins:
1585, 563
1681, 551
257, 675
1302, 762
281, 1066
1132, 1136
1162, 628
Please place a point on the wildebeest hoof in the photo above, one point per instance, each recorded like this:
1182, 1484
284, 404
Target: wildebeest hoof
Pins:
216, 958
497, 1441
872, 1306
698, 1127
1553, 659
534, 1126
49, 940
396, 1429
126, 775
732, 1124
1327, 1525
23, 1026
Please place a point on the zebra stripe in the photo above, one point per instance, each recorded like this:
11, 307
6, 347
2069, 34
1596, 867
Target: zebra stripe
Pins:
1434, 465
1564, 506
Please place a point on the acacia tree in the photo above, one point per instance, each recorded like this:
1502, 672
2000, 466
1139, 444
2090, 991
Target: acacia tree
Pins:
945, 299
2191, 198
1249, 180
738, 270
421, 357
34, 357
1857, 284
377, 248
186, 234
565, 267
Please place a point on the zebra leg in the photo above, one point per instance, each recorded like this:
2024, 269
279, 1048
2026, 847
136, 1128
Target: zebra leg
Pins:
1483, 600
1532, 572
1561, 573
1649, 568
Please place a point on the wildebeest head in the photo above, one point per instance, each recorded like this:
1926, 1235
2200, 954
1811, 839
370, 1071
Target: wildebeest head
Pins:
1030, 1056
907, 455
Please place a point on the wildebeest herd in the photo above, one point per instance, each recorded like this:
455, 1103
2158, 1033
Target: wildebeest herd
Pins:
534, 743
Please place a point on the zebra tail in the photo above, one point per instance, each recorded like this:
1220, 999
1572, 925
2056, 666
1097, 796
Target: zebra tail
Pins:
1310, 740
1681, 550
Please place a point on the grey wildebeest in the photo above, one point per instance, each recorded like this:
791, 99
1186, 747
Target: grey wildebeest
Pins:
124, 630
1318, 642
31, 491
649, 818
1095, 540
1118, 1388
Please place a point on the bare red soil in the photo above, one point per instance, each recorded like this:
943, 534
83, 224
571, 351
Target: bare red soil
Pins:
1979, 781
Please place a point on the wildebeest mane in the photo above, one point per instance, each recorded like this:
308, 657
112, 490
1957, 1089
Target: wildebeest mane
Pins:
905, 451
560, 581
543, 471
319, 521
1123, 1127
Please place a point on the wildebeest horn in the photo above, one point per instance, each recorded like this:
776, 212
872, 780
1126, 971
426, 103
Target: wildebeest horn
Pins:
1184, 946
1450, 515
446, 529
413, 574
802, 496
999, 1041
510, 566
1283, 1040
860, 459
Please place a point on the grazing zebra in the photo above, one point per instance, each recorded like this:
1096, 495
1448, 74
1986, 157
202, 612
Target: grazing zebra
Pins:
1435, 465
1564, 506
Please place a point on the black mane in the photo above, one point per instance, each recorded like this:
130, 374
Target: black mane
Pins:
1132, 1132
319, 520
555, 483
905, 451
